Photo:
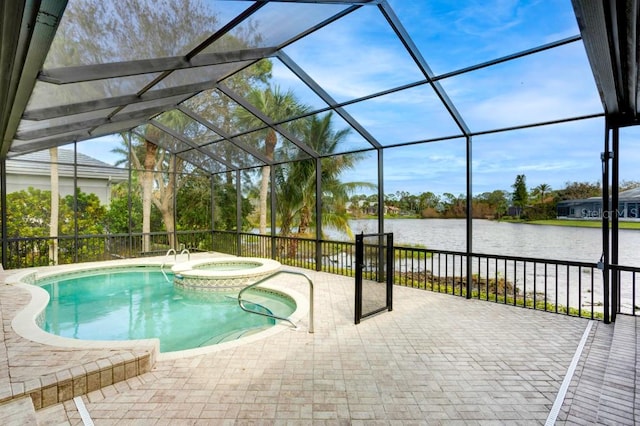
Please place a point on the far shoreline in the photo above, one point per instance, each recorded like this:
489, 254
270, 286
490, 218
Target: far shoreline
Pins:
576, 223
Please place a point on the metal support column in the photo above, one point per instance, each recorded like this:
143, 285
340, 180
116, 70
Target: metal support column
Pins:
615, 189
3, 209
469, 220
76, 230
380, 192
129, 195
174, 180
272, 209
238, 213
381, 254
212, 200
318, 214
604, 261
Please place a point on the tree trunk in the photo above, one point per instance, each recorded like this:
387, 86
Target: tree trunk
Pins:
264, 192
167, 217
55, 207
147, 193
269, 147
164, 203
305, 220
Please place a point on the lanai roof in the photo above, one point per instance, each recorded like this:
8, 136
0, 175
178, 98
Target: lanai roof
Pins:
72, 71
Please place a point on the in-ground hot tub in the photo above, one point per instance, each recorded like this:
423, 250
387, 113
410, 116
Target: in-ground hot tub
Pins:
222, 273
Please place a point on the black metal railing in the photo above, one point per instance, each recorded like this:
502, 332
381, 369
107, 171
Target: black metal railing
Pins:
32, 252
628, 289
570, 288
563, 287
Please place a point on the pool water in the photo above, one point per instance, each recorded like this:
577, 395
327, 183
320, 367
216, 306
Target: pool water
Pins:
141, 303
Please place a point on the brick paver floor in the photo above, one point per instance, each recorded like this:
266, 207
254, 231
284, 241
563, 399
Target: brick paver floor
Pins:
434, 359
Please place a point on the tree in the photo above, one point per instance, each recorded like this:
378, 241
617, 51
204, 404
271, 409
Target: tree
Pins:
296, 181
490, 204
428, 204
107, 33
89, 214
541, 191
498, 199
319, 134
454, 207
579, 191
193, 201
277, 105
626, 185
520, 196
225, 214
30, 216
157, 170
119, 220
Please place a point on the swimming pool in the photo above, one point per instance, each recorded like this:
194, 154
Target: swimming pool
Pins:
142, 302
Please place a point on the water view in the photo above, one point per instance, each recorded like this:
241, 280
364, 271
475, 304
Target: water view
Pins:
560, 285
503, 238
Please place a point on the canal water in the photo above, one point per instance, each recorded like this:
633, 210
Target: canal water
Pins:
503, 238
570, 286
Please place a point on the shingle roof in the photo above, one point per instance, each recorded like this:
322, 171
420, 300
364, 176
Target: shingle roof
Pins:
38, 163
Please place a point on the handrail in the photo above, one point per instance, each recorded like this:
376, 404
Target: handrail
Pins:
175, 254
184, 250
175, 258
268, 277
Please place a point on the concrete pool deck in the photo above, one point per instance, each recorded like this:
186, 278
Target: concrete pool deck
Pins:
435, 359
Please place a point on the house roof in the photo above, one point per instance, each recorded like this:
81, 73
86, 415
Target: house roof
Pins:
631, 195
39, 163
69, 78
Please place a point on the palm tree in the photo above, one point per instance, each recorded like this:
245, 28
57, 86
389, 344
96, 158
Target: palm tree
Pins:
158, 173
278, 106
297, 181
541, 190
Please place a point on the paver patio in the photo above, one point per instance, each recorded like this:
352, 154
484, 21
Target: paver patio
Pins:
434, 359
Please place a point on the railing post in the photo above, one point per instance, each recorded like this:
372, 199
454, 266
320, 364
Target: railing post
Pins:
318, 255
358, 278
390, 270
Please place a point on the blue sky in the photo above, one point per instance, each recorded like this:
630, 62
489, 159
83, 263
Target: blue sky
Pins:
359, 55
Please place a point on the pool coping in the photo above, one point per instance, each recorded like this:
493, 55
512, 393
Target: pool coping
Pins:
193, 274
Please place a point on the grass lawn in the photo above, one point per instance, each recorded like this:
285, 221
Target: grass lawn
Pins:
583, 223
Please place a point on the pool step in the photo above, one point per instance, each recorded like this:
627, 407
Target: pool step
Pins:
66, 384
605, 390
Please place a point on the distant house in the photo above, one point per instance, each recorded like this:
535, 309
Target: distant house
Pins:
591, 208
391, 210
34, 170
370, 209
